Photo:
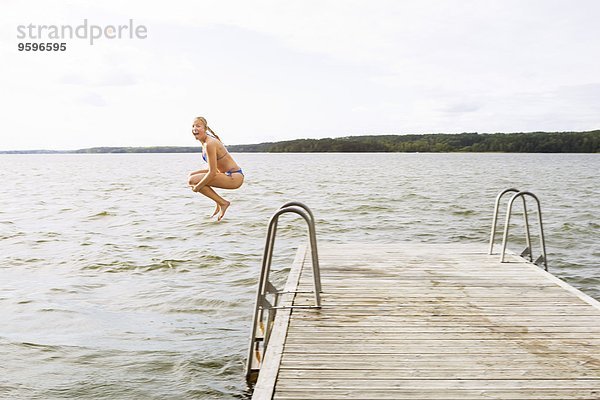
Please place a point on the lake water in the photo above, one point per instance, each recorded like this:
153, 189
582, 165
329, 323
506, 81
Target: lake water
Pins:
116, 284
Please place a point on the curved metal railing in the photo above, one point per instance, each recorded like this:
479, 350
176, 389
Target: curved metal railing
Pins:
527, 251
266, 288
542, 259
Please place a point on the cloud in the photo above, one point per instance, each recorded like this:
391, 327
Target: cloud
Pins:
117, 79
110, 78
93, 99
72, 79
586, 94
462, 107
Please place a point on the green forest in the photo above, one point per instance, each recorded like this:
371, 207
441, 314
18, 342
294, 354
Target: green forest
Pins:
534, 142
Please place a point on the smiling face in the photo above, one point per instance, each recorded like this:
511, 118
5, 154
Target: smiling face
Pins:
199, 130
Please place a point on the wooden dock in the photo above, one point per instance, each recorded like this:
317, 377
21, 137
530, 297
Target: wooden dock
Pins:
431, 321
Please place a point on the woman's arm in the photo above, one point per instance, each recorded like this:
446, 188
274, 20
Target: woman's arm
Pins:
211, 154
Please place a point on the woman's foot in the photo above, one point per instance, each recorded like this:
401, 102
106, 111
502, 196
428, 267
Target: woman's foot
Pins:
217, 209
223, 208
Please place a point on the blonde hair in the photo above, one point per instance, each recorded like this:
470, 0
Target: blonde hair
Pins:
203, 120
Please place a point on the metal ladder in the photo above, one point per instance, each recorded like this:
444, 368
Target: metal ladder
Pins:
258, 344
527, 252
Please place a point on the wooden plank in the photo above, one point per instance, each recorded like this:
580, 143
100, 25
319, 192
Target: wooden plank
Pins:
501, 320
425, 393
307, 337
477, 341
384, 310
444, 333
427, 291
400, 298
269, 369
446, 384
423, 368
492, 360
358, 350
432, 374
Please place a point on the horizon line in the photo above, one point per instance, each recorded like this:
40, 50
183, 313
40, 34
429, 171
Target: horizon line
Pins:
279, 141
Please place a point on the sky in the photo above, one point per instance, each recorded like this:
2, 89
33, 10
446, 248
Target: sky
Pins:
266, 70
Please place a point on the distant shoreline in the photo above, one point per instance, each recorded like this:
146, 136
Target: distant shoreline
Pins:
530, 142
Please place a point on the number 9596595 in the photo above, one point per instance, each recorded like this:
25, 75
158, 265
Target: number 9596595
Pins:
42, 46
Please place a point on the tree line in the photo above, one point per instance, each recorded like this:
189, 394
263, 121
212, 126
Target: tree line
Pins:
531, 142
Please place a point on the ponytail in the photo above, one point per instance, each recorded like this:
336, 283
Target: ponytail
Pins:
214, 134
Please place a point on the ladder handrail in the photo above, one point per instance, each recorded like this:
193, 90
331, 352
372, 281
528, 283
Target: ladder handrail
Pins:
495, 221
264, 285
313, 246
543, 257
268, 254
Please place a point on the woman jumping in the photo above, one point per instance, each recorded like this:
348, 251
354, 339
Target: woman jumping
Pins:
223, 172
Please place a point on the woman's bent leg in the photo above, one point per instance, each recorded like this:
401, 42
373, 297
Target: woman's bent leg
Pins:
220, 180
221, 203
